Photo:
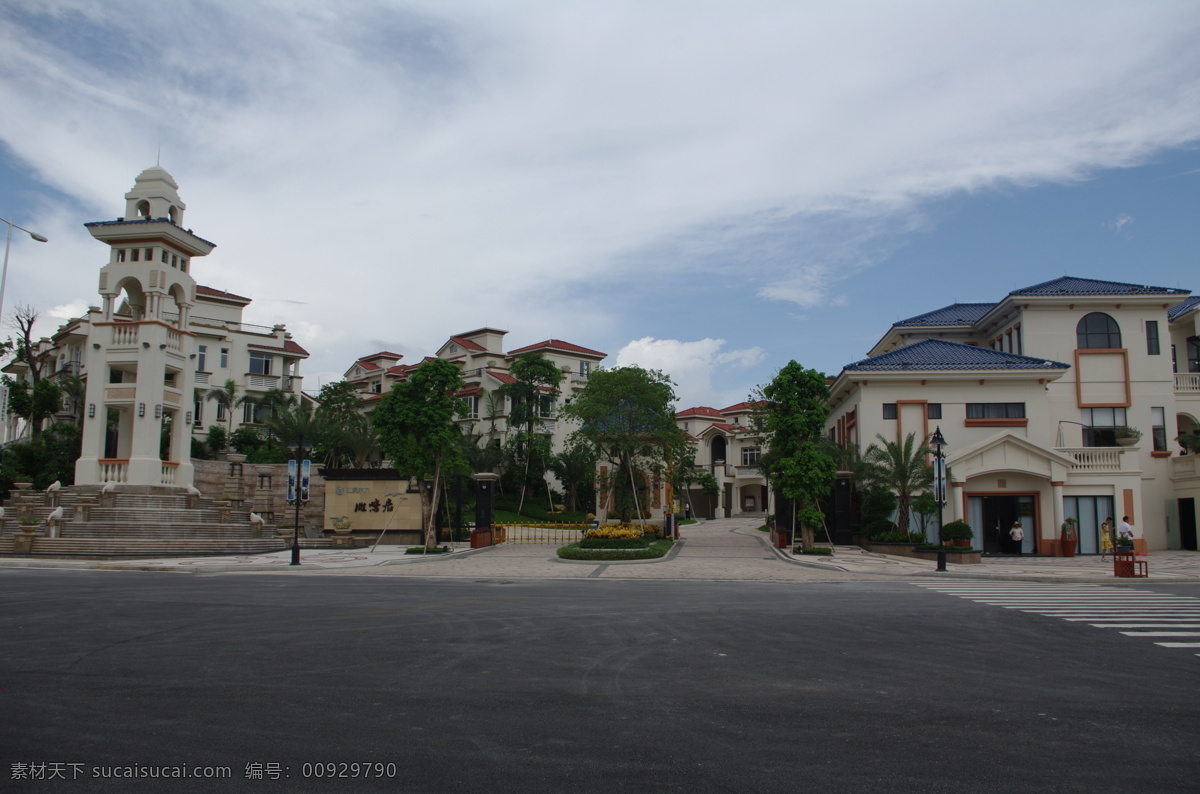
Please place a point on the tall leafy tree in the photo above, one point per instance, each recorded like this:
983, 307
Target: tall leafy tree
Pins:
536, 379
575, 468
791, 418
34, 404
684, 474
229, 398
351, 440
417, 428
900, 467
627, 415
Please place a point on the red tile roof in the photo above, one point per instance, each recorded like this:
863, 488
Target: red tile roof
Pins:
288, 347
367, 365
503, 377
209, 292
468, 344
701, 410
740, 407
382, 354
556, 344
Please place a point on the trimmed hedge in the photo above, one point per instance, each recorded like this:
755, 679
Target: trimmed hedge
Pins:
651, 552
614, 543
423, 550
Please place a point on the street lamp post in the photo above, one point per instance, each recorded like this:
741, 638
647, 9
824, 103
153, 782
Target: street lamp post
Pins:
7, 246
938, 442
298, 474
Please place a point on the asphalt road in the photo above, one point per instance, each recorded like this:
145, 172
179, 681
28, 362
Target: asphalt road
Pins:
589, 685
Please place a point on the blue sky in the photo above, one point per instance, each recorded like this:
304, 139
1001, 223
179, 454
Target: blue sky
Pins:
710, 189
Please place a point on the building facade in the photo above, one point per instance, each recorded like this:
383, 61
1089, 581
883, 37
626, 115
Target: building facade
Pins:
148, 355
1034, 394
728, 449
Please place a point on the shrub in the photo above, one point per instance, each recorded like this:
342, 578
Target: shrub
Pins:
217, 439
891, 537
614, 543
879, 526
423, 550
623, 531
957, 530
651, 552
814, 550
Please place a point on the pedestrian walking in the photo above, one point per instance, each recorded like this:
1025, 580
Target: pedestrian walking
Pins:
1125, 532
1106, 538
1018, 535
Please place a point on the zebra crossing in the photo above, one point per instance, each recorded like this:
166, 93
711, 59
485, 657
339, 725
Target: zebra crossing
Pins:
1172, 621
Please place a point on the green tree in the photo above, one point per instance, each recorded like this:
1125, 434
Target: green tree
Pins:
575, 468
35, 405
626, 414
228, 398
792, 422
351, 440
685, 475
417, 428
899, 467
535, 382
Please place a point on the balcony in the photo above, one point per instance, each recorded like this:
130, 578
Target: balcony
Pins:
1187, 383
1101, 459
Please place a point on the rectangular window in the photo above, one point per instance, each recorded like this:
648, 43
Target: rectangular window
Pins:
889, 410
377, 387
1020, 342
220, 412
1158, 420
114, 376
260, 363
545, 406
995, 410
1100, 426
585, 368
224, 358
933, 411
133, 257
201, 357
165, 256
472, 403
199, 413
120, 254
248, 413
1152, 348
750, 455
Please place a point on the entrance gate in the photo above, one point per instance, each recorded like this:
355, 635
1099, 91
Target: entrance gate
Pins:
550, 534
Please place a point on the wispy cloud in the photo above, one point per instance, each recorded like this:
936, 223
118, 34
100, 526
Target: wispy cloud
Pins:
411, 170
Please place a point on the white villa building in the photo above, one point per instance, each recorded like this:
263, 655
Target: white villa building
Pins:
156, 344
728, 449
485, 367
1031, 393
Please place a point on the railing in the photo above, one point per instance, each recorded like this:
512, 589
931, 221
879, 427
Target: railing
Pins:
174, 340
749, 471
201, 378
543, 533
1094, 458
125, 334
114, 470
169, 469
1187, 381
120, 393
262, 381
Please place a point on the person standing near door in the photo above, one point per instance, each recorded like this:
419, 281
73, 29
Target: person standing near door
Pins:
1125, 532
1106, 538
1018, 536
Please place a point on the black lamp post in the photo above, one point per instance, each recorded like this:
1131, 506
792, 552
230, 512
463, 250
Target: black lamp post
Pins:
938, 442
297, 491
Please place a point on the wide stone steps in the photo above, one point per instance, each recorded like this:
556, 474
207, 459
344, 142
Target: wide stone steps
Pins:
142, 547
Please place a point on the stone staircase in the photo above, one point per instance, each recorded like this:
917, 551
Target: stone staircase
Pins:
133, 521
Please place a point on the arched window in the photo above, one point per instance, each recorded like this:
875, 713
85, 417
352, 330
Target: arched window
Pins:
173, 214
1098, 331
143, 209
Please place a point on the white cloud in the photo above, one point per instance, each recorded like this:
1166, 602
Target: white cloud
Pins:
692, 366
412, 170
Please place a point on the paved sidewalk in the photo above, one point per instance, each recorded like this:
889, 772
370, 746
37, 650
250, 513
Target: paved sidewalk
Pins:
721, 550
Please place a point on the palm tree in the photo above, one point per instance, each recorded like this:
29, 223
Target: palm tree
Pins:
900, 468
228, 399
297, 425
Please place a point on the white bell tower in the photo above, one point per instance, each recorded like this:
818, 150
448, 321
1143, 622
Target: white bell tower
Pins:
139, 357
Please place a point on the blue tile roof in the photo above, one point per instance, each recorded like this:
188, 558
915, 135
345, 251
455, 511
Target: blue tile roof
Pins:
1070, 285
954, 314
1180, 309
940, 354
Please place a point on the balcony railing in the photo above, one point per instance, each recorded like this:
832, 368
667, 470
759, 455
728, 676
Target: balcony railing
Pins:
1187, 382
1094, 458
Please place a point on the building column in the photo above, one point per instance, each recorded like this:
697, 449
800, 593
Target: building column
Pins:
1050, 539
954, 502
